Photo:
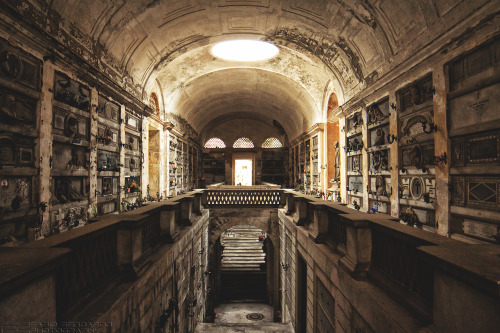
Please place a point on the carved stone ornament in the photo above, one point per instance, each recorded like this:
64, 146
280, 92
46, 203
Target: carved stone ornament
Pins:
417, 120
380, 185
380, 160
416, 158
10, 65
375, 115
12, 108
71, 126
380, 138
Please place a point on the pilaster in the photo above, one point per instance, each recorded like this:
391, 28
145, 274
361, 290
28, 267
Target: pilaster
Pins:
442, 145
45, 141
343, 159
94, 97
394, 152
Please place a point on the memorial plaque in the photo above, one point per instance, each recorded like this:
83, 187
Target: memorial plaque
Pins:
480, 229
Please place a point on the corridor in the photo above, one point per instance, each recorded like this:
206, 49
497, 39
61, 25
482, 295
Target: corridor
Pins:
331, 165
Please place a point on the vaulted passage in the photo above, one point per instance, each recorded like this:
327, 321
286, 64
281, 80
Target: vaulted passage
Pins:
331, 165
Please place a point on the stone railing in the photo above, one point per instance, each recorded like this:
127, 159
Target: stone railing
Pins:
420, 270
251, 197
83, 262
407, 263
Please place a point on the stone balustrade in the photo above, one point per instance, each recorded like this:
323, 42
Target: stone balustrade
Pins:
409, 264
83, 262
426, 273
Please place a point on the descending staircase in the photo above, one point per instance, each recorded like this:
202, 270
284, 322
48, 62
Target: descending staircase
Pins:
243, 251
243, 274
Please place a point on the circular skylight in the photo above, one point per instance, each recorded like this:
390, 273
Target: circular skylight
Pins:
244, 50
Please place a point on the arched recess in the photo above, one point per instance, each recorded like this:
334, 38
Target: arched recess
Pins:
332, 136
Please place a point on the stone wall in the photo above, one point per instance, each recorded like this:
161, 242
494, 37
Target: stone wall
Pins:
172, 277
346, 291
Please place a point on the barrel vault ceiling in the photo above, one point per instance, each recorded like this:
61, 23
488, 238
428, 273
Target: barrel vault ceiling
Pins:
326, 46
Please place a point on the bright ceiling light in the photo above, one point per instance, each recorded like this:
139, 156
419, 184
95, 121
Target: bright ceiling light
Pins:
244, 50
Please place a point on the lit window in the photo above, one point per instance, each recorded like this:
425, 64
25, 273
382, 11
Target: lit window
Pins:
244, 50
243, 143
272, 143
215, 143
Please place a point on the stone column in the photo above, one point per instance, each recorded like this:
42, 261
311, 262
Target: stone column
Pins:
394, 152
94, 97
162, 168
167, 161
442, 145
343, 159
145, 157
121, 193
45, 141
364, 153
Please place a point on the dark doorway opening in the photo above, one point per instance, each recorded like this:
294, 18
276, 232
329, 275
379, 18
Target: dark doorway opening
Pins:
243, 270
301, 296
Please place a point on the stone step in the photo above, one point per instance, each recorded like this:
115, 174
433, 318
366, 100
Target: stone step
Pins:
244, 254
243, 262
240, 268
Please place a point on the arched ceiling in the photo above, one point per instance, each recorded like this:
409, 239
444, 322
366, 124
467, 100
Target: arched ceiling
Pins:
344, 45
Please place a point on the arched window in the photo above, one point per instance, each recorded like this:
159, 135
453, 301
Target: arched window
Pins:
243, 143
154, 104
272, 143
215, 143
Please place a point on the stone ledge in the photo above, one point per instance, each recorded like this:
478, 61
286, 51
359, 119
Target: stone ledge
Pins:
20, 266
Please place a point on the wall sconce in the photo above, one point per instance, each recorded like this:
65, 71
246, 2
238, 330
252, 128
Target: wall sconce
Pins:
393, 106
432, 127
391, 138
441, 159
